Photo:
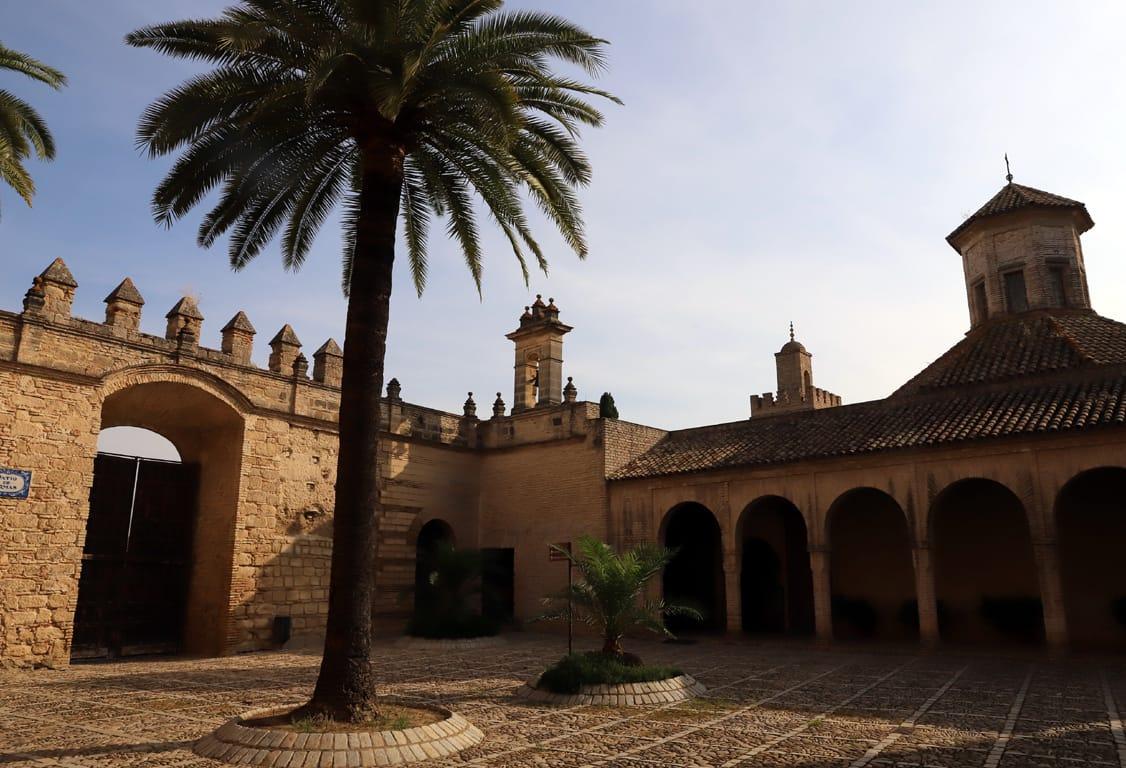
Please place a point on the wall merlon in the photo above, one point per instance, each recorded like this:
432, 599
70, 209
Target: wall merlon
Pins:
284, 348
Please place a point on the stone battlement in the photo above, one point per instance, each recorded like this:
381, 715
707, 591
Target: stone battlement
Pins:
767, 404
47, 337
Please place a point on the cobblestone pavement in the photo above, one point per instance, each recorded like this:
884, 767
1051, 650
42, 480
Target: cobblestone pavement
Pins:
768, 705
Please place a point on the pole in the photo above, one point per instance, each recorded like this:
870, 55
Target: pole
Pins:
570, 610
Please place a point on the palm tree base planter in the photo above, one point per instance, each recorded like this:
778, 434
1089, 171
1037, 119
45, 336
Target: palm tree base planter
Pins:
669, 691
415, 643
237, 743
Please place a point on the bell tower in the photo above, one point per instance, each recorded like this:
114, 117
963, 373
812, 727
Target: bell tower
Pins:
1021, 251
794, 365
539, 356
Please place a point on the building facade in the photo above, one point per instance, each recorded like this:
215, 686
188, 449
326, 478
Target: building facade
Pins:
982, 502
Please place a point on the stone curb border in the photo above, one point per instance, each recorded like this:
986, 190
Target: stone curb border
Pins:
669, 691
236, 743
461, 644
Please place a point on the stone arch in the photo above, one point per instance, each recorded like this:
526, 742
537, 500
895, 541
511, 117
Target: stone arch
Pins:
872, 573
775, 581
133, 376
986, 581
204, 419
1090, 517
432, 535
695, 574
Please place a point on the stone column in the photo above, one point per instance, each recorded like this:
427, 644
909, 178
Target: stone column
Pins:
732, 592
822, 594
925, 596
1051, 593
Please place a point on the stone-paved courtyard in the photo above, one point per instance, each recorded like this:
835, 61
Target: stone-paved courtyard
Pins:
768, 705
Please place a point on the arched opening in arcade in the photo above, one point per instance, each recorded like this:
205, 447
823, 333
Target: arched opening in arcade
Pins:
1091, 536
775, 582
986, 583
871, 570
432, 537
695, 575
158, 557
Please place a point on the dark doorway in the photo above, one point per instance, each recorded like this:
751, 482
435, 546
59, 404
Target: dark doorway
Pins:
1091, 524
985, 575
133, 589
431, 538
775, 582
695, 575
498, 584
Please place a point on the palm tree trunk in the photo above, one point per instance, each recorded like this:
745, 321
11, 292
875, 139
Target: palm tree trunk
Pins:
345, 688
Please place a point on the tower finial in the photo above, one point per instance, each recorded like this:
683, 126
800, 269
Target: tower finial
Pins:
1008, 171
791, 330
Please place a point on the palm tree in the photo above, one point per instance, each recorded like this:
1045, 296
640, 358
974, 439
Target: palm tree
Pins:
22, 131
611, 594
390, 108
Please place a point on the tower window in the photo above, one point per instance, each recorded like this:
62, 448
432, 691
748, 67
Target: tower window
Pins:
1016, 298
1057, 278
981, 303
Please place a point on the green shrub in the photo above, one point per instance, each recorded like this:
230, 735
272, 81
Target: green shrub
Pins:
1017, 617
447, 606
855, 613
1119, 609
909, 614
572, 672
606, 407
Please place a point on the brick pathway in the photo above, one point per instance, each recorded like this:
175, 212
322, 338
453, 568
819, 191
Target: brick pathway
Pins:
768, 705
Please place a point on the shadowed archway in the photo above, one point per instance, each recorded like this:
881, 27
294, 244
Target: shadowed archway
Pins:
695, 575
873, 575
433, 535
775, 583
159, 553
985, 574
1091, 531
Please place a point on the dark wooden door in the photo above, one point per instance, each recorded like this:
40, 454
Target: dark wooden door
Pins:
132, 594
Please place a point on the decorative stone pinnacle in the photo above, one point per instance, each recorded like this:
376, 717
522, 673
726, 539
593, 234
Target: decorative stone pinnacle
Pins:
34, 299
57, 272
126, 292
330, 348
393, 391
185, 307
791, 330
498, 407
470, 408
570, 392
240, 322
300, 366
285, 336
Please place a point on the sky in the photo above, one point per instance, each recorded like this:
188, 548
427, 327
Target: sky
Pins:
772, 162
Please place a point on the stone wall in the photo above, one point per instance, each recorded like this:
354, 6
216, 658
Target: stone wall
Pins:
266, 444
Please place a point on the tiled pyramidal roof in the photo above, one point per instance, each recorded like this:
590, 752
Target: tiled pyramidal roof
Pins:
1036, 373
1015, 197
1025, 345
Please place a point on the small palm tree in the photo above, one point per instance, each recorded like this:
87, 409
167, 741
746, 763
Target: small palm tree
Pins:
393, 110
611, 594
22, 131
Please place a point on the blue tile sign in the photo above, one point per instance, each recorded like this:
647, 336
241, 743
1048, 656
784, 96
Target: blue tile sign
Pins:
14, 483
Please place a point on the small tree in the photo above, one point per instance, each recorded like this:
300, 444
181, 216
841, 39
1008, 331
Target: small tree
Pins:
606, 407
611, 593
447, 605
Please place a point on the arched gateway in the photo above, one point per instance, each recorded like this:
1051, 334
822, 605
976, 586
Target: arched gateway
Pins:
158, 555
